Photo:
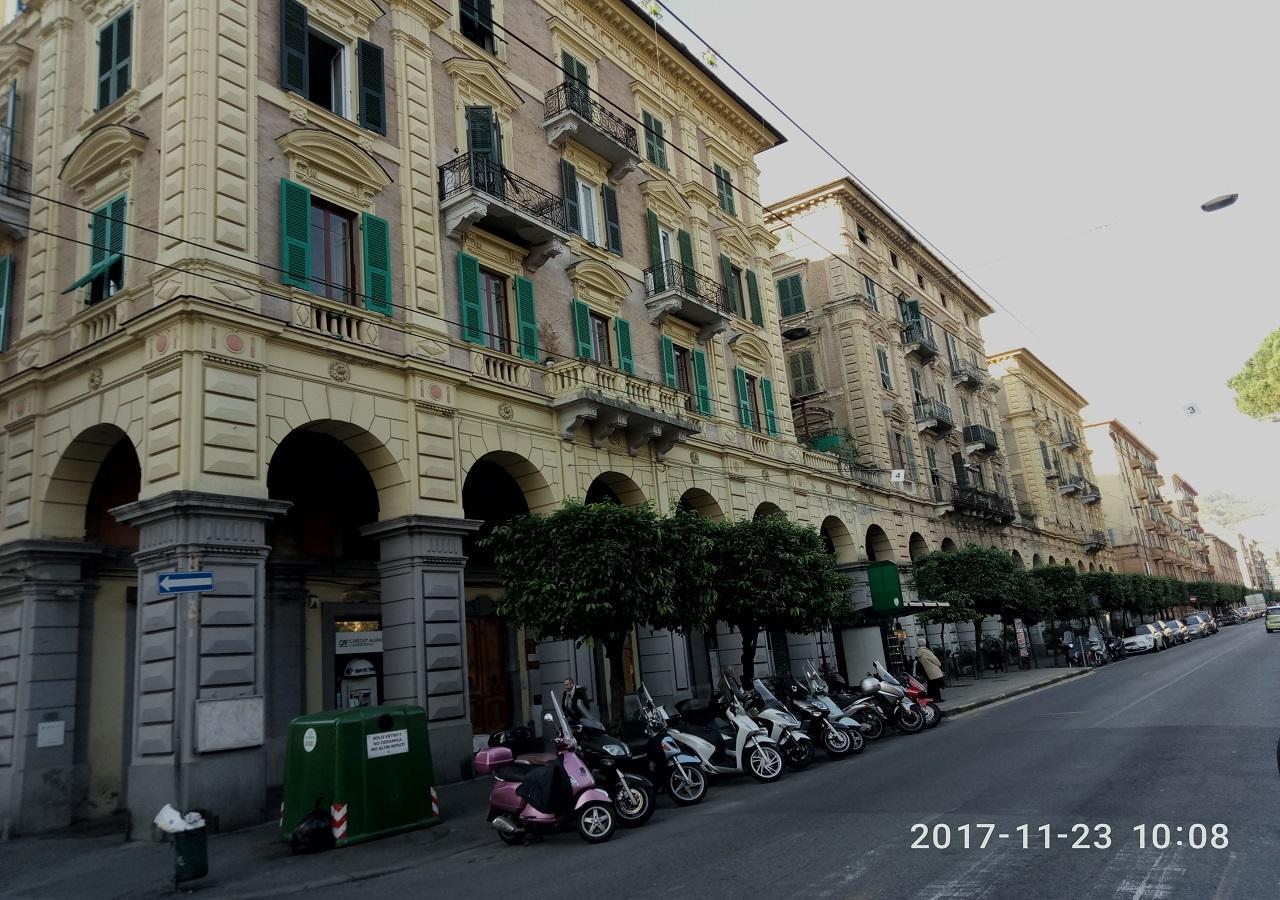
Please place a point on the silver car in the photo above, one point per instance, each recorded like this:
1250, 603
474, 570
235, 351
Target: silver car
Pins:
1197, 626
1181, 634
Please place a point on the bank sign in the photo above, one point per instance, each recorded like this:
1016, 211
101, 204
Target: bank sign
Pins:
357, 642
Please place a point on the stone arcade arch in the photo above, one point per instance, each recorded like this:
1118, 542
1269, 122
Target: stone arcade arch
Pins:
878, 546
948, 545
701, 502
839, 541
1017, 558
768, 509
615, 487
917, 546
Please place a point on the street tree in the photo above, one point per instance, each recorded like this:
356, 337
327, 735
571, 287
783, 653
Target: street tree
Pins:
976, 579
773, 575
594, 572
1062, 592
1257, 385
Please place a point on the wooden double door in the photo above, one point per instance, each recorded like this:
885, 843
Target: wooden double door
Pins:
488, 676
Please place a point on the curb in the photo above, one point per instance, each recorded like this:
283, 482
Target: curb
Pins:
1015, 692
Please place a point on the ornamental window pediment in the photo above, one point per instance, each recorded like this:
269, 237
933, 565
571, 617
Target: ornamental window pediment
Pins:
350, 19
333, 167
665, 200
598, 285
751, 349
103, 161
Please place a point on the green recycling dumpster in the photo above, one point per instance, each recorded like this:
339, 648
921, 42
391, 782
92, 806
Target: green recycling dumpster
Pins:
368, 768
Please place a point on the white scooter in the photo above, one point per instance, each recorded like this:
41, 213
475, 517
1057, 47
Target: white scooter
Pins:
793, 741
725, 738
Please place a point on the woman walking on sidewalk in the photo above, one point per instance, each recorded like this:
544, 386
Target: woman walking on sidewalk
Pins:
932, 670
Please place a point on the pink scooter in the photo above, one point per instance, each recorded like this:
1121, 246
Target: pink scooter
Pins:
551, 796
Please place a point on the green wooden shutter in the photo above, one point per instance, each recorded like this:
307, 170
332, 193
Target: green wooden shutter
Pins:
377, 263
913, 311
912, 472
526, 318
770, 415
654, 146
730, 285
686, 260
702, 381
612, 227
753, 295
784, 297
117, 212
295, 234
655, 254
582, 328
469, 299
373, 95
294, 65
569, 190
480, 131
115, 58
6, 286
668, 362
622, 331
106, 56
744, 400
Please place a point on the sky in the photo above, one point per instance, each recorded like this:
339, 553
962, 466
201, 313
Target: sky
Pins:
1059, 158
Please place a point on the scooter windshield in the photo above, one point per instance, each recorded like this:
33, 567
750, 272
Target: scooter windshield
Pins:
765, 695
883, 674
560, 721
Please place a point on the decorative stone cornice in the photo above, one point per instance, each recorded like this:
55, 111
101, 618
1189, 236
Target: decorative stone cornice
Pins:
108, 148
332, 165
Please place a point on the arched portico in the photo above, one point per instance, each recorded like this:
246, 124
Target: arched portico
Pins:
878, 546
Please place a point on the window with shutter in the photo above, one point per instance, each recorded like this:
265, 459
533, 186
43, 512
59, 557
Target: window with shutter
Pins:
869, 285
702, 381
6, 287
668, 361
753, 297
612, 226
790, 295
744, 398
686, 260
770, 415
582, 329
105, 276
657, 256
484, 149
730, 285
622, 332
804, 381
569, 191
655, 147
314, 64
115, 58
526, 318
469, 299
377, 264
373, 101
886, 381
577, 85
724, 189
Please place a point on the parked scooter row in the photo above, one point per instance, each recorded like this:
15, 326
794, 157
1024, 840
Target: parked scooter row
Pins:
592, 782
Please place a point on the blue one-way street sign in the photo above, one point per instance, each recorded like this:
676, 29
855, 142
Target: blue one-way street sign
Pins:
185, 582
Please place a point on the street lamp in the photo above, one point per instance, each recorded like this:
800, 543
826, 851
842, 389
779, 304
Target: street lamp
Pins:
1218, 203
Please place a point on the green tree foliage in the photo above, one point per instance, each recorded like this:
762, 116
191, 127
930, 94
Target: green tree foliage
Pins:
1061, 592
591, 573
773, 575
978, 582
1257, 385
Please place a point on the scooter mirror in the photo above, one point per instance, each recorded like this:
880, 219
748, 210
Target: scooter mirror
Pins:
549, 719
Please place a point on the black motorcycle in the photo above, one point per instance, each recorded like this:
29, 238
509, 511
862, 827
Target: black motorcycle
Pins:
672, 769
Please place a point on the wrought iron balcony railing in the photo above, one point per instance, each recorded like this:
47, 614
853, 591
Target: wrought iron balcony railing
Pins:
963, 371
1090, 493
576, 98
470, 172
980, 434
982, 503
1071, 485
1094, 541
673, 275
933, 410
1070, 440
918, 339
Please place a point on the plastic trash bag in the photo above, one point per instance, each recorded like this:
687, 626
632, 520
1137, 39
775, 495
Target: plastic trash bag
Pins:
314, 833
170, 821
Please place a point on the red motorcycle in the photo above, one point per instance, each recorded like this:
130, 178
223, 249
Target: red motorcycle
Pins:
918, 694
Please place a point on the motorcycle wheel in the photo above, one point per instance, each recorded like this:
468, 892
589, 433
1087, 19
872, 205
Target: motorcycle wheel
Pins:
876, 731
932, 715
635, 805
799, 754
687, 789
764, 762
909, 721
596, 822
837, 742
856, 742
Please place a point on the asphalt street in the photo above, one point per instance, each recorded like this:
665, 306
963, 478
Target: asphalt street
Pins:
1180, 739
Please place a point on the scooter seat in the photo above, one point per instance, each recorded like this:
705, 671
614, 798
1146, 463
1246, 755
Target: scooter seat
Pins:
536, 758
515, 771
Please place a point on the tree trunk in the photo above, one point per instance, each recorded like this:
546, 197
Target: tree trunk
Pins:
750, 638
614, 650
977, 648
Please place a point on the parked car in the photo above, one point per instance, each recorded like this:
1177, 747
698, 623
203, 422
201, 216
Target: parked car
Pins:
1197, 626
1273, 619
1210, 619
1181, 633
1170, 636
1144, 639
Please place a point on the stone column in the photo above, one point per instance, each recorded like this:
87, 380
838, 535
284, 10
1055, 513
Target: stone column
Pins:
41, 592
424, 648
200, 683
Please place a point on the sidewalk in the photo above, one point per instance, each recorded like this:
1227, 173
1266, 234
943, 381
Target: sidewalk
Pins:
249, 863
967, 694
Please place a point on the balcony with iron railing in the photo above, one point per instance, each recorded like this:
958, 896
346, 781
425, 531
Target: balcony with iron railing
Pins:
1070, 440
1071, 485
1027, 513
15, 185
1147, 466
983, 504
475, 190
1094, 541
967, 374
673, 289
933, 416
917, 340
979, 439
570, 111
1090, 493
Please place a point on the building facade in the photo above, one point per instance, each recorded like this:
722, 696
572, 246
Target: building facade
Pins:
311, 295
1139, 517
1224, 559
1050, 463
1256, 573
1191, 551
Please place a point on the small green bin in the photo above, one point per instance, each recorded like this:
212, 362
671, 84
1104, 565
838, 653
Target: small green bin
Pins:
190, 854
369, 768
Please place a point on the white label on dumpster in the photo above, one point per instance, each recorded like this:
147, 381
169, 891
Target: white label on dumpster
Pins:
309, 740
388, 743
